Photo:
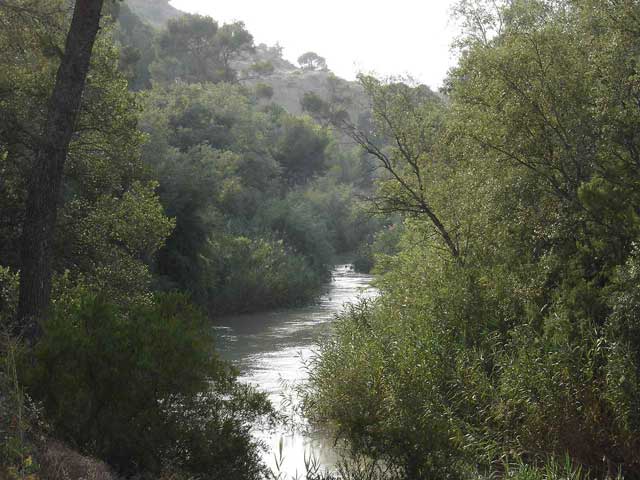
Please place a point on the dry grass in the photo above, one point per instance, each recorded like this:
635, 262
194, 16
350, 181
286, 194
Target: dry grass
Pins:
58, 462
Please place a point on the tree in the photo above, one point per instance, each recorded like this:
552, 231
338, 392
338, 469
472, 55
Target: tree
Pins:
143, 389
532, 342
257, 70
232, 40
46, 179
312, 61
105, 188
137, 51
406, 130
300, 149
264, 91
195, 49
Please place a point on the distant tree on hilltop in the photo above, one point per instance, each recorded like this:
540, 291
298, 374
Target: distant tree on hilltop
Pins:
312, 61
195, 49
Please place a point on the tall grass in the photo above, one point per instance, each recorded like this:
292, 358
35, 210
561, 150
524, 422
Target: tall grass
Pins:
361, 468
18, 415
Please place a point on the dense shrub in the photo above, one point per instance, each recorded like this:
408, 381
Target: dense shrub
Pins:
507, 326
385, 243
245, 274
8, 297
381, 391
144, 390
246, 183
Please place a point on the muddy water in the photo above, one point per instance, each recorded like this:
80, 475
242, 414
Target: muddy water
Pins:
270, 349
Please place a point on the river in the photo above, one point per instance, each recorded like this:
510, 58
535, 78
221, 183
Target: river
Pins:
270, 350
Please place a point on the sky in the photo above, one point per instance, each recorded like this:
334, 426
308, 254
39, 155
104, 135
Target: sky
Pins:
384, 37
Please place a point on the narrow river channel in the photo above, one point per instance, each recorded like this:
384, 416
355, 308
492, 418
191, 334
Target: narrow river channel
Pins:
270, 350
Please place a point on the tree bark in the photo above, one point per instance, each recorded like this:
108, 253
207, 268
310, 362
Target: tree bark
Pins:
46, 178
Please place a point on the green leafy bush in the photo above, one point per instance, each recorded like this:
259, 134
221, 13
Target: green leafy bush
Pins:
507, 326
385, 244
144, 390
256, 274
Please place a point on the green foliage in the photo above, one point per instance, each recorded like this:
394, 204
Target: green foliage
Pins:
380, 392
262, 69
144, 390
623, 347
385, 244
137, 49
9, 282
264, 91
210, 149
299, 225
116, 239
111, 222
550, 469
196, 49
523, 346
300, 150
247, 275
193, 184
239, 182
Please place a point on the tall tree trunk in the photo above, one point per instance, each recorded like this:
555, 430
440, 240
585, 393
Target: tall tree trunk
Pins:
46, 178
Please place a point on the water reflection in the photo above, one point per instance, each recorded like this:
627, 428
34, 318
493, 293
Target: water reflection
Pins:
270, 350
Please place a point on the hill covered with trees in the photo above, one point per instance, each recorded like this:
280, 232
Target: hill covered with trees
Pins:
180, 194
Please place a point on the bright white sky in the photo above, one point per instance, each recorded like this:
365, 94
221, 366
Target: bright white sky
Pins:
386, 37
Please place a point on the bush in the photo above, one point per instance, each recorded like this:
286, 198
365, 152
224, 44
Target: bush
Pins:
363, 260
245, 274
305, 231
144, 390
385, 244
376, 392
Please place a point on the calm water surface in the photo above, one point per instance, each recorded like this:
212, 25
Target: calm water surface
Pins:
270, 350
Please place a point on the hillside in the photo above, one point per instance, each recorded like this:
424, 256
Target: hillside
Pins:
288, 81
154, 12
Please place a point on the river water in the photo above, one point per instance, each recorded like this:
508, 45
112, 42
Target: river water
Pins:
271, 349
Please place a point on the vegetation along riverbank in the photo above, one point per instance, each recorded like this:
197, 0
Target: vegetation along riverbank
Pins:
160, 169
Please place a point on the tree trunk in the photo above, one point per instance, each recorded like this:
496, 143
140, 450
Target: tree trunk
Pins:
46, 178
